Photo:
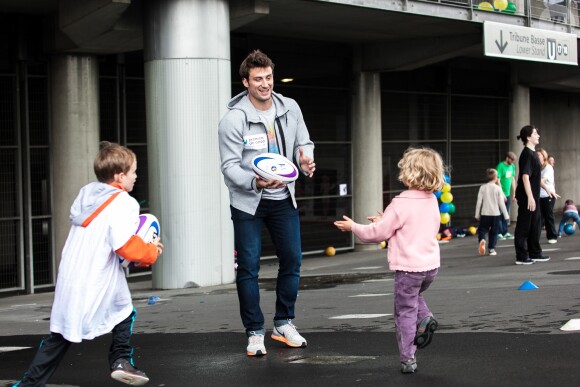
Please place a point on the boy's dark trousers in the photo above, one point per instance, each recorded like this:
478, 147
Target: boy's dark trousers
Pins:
53, 348
488, 224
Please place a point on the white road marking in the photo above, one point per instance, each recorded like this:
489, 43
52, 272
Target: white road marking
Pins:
371, 295
351, 316
368, 268
571, 259
572, 325
379, 280
9, 349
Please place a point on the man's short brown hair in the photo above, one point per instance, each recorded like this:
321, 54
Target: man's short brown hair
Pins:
255, 59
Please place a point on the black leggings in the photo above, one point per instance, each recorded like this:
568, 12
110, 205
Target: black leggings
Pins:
53, 348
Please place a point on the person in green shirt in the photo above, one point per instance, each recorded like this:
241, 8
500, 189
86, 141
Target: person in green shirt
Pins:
506, 171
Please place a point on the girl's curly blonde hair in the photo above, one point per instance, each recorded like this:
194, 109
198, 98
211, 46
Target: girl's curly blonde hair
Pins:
422, 169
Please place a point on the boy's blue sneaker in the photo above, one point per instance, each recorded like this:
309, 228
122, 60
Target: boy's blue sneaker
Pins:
425, 331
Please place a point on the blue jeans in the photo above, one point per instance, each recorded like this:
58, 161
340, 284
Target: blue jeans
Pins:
503, 223
410, 308
565, 218
281, 219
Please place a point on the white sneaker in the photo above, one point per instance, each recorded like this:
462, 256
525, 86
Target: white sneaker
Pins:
288, 334
508, 236
500, 237
256, 345
492, 252
552, 241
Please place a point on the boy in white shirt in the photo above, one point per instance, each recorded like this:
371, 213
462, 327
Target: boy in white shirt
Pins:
490, 200
92, 297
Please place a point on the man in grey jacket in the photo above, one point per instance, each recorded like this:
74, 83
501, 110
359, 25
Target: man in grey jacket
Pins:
260, 121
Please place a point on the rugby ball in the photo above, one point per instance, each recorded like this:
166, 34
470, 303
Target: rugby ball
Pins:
272, 166
148, 230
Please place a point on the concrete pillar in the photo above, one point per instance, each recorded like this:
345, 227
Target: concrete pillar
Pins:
188, 83
367, 150
75, 134
519, 117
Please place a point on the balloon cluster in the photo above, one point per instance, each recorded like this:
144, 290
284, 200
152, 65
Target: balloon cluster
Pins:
446, 208
503, 6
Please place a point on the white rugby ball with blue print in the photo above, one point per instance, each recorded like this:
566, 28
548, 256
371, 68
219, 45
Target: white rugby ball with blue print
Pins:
272, 166
148, 230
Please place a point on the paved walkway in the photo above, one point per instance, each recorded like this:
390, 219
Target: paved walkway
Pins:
491, 333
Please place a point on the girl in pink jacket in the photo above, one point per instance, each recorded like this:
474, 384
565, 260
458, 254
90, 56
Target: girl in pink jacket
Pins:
410, 223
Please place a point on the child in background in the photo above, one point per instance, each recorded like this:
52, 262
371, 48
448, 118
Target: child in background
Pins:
410, 224
92, 297
490, 201
569, 212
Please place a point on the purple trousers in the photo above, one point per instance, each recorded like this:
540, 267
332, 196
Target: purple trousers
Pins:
410, 307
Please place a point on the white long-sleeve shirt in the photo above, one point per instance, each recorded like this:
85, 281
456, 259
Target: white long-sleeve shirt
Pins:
490, 200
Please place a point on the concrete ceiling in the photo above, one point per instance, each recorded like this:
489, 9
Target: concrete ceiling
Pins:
389, 38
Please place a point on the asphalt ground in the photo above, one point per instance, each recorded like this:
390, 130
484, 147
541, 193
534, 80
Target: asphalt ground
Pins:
491, 333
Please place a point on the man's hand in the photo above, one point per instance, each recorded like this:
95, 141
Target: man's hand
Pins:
262, 183
306, 163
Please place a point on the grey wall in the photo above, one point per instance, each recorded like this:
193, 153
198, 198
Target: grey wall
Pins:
557, 115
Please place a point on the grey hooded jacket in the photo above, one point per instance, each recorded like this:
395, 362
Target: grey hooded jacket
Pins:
236, 130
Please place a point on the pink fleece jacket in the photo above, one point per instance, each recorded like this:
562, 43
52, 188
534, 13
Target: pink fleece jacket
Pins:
410, 224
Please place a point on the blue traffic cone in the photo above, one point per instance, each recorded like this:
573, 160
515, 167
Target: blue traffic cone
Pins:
528, 285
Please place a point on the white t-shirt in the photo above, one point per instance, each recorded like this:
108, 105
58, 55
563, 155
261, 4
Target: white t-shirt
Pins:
547, 172
92, 295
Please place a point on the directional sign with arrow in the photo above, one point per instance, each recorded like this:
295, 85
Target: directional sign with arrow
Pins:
501, 45
525, 43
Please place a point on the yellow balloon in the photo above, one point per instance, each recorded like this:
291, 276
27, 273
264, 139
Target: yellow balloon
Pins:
472, 230
485, 6
447, 197
444, 217
383, 245
500, 4
446, 187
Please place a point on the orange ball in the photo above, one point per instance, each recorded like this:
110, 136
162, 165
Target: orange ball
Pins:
330, 251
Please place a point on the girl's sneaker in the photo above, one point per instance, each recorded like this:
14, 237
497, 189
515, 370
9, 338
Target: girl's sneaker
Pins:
492, 252
409, 366
425, 331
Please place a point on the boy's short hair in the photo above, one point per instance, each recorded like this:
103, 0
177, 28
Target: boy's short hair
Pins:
511, 155
255, 59
422, 169
491, 174
111, 160
569, 202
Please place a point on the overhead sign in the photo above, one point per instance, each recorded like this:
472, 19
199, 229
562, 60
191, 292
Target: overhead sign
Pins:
525, 43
